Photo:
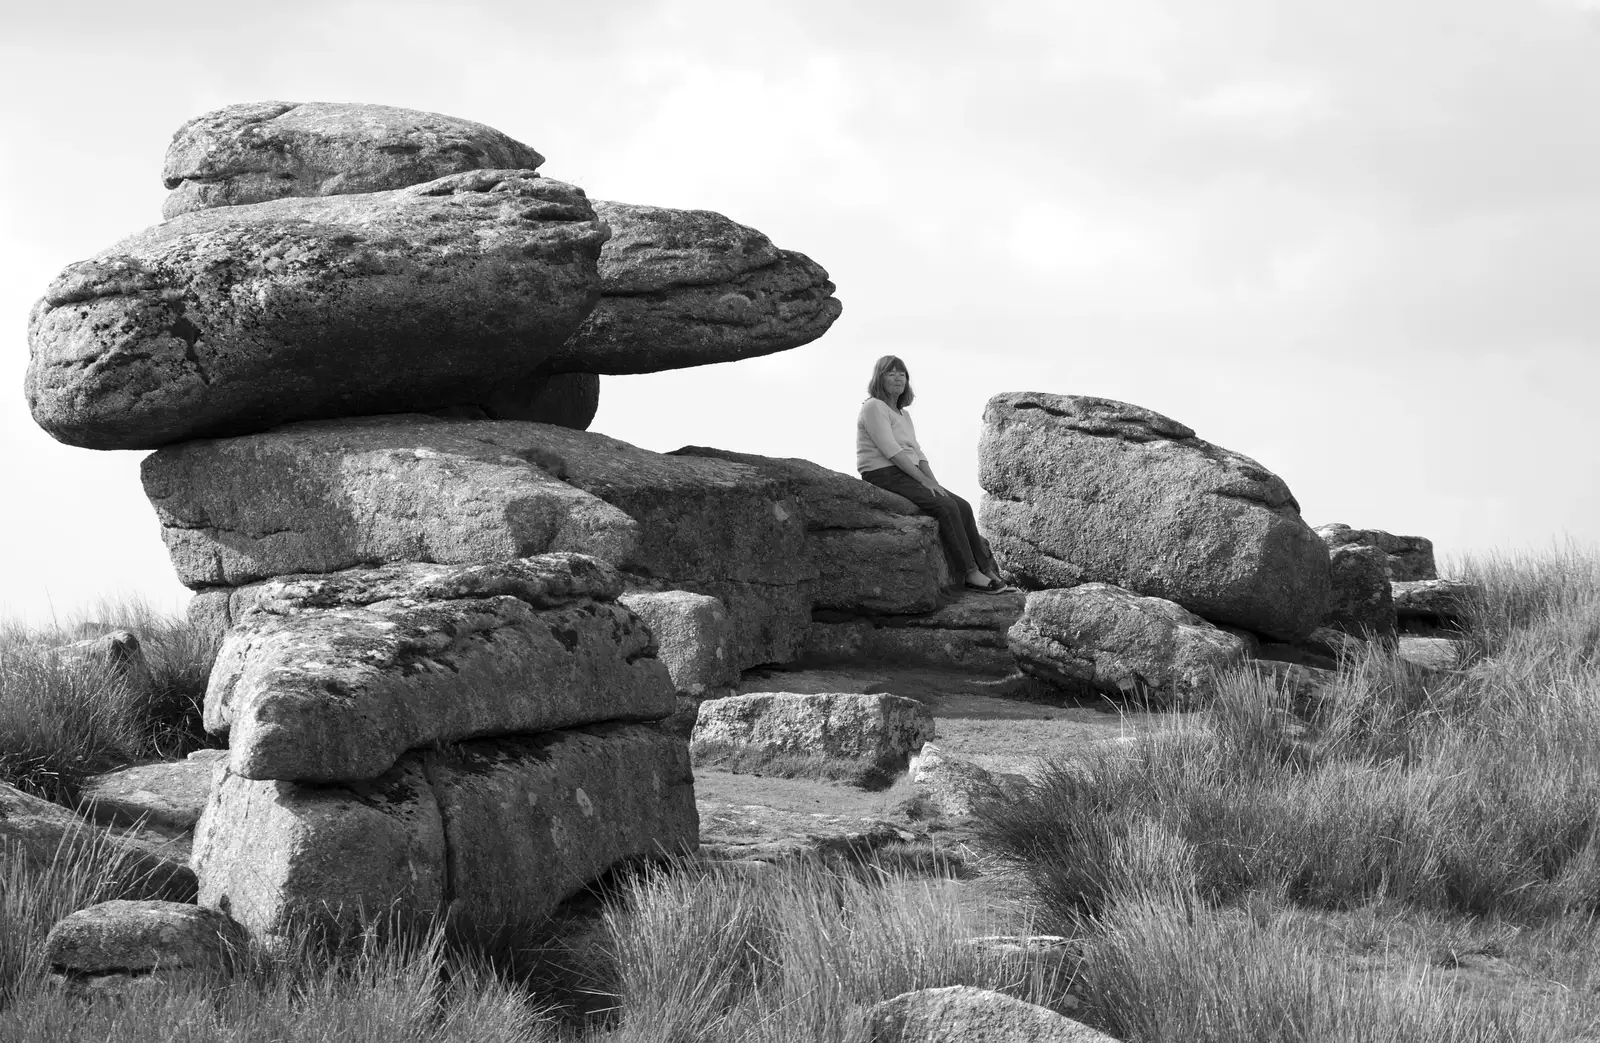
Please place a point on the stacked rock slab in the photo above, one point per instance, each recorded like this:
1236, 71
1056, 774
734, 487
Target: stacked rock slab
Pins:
1082, 489
1360, 602
420, 738
772, 539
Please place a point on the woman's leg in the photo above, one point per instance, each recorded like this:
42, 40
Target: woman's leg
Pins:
946, 510
980, 546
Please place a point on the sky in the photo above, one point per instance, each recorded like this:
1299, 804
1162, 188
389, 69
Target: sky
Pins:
1358, 242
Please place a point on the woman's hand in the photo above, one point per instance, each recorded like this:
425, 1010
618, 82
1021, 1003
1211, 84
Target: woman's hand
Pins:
935, 488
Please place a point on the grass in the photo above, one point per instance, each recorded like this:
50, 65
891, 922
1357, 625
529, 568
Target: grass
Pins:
64, 719
1408, 856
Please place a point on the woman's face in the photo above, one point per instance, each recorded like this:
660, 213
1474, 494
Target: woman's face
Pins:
894, 382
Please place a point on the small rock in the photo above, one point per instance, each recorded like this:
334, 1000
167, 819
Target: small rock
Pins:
118, 653
134, 936
963, 1014
1433, 653
958, 787
881, 729
1118, 642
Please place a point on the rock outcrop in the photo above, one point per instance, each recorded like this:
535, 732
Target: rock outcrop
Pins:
1083, 489
883, 730
261, 150
969, 634
1111, 640
1433, 602
333, 678
494, 831
963, 1014
691, 287
238, 319
165, 797
1404, 557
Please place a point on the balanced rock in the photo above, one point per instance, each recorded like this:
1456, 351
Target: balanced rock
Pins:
256, 151
1083, 489
874, 551
1112, 640
330, 495
964, 1014
239, 319
883, 730
132, 937
1359, 601
494, 831
691, 287
144, 867
334, 677
1404, 557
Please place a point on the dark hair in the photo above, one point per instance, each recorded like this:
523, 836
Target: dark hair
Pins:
875, 386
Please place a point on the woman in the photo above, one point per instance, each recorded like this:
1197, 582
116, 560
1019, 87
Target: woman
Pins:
888, 456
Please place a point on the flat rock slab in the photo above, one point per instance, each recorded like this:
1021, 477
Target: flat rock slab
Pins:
963, 1014
881, 729
1404, 557
496, 831
691, 287
1434, 653
1121, 643
166, 797
333, 678
147, 867
1082, 489
238, 319
330, 495
261, 150
129, 936
1441, 601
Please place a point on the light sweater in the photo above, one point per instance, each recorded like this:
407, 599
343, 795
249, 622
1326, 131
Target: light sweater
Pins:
882, 433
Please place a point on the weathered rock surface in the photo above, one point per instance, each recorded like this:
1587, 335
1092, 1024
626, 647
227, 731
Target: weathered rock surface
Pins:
1115, 641
1405, 557
1439, 602
146, 867
330, 495
130, 936
496, 831
117, 653
693, 637
1359, 601
882, 729
1432, 653
1086, 489
239, 319
334, 677
874, 551
963, 1014
691, 287
968, 634
256, 151
166, 797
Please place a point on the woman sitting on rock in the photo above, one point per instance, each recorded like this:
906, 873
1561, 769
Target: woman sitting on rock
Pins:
888, 456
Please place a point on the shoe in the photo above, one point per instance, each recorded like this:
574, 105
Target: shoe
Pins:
994, 586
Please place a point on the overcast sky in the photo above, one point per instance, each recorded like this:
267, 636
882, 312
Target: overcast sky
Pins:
1358, 241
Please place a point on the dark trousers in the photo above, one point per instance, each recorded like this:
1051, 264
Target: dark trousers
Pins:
964, 548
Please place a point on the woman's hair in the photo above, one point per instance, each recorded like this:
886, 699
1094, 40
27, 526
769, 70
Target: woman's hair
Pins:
875, 386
